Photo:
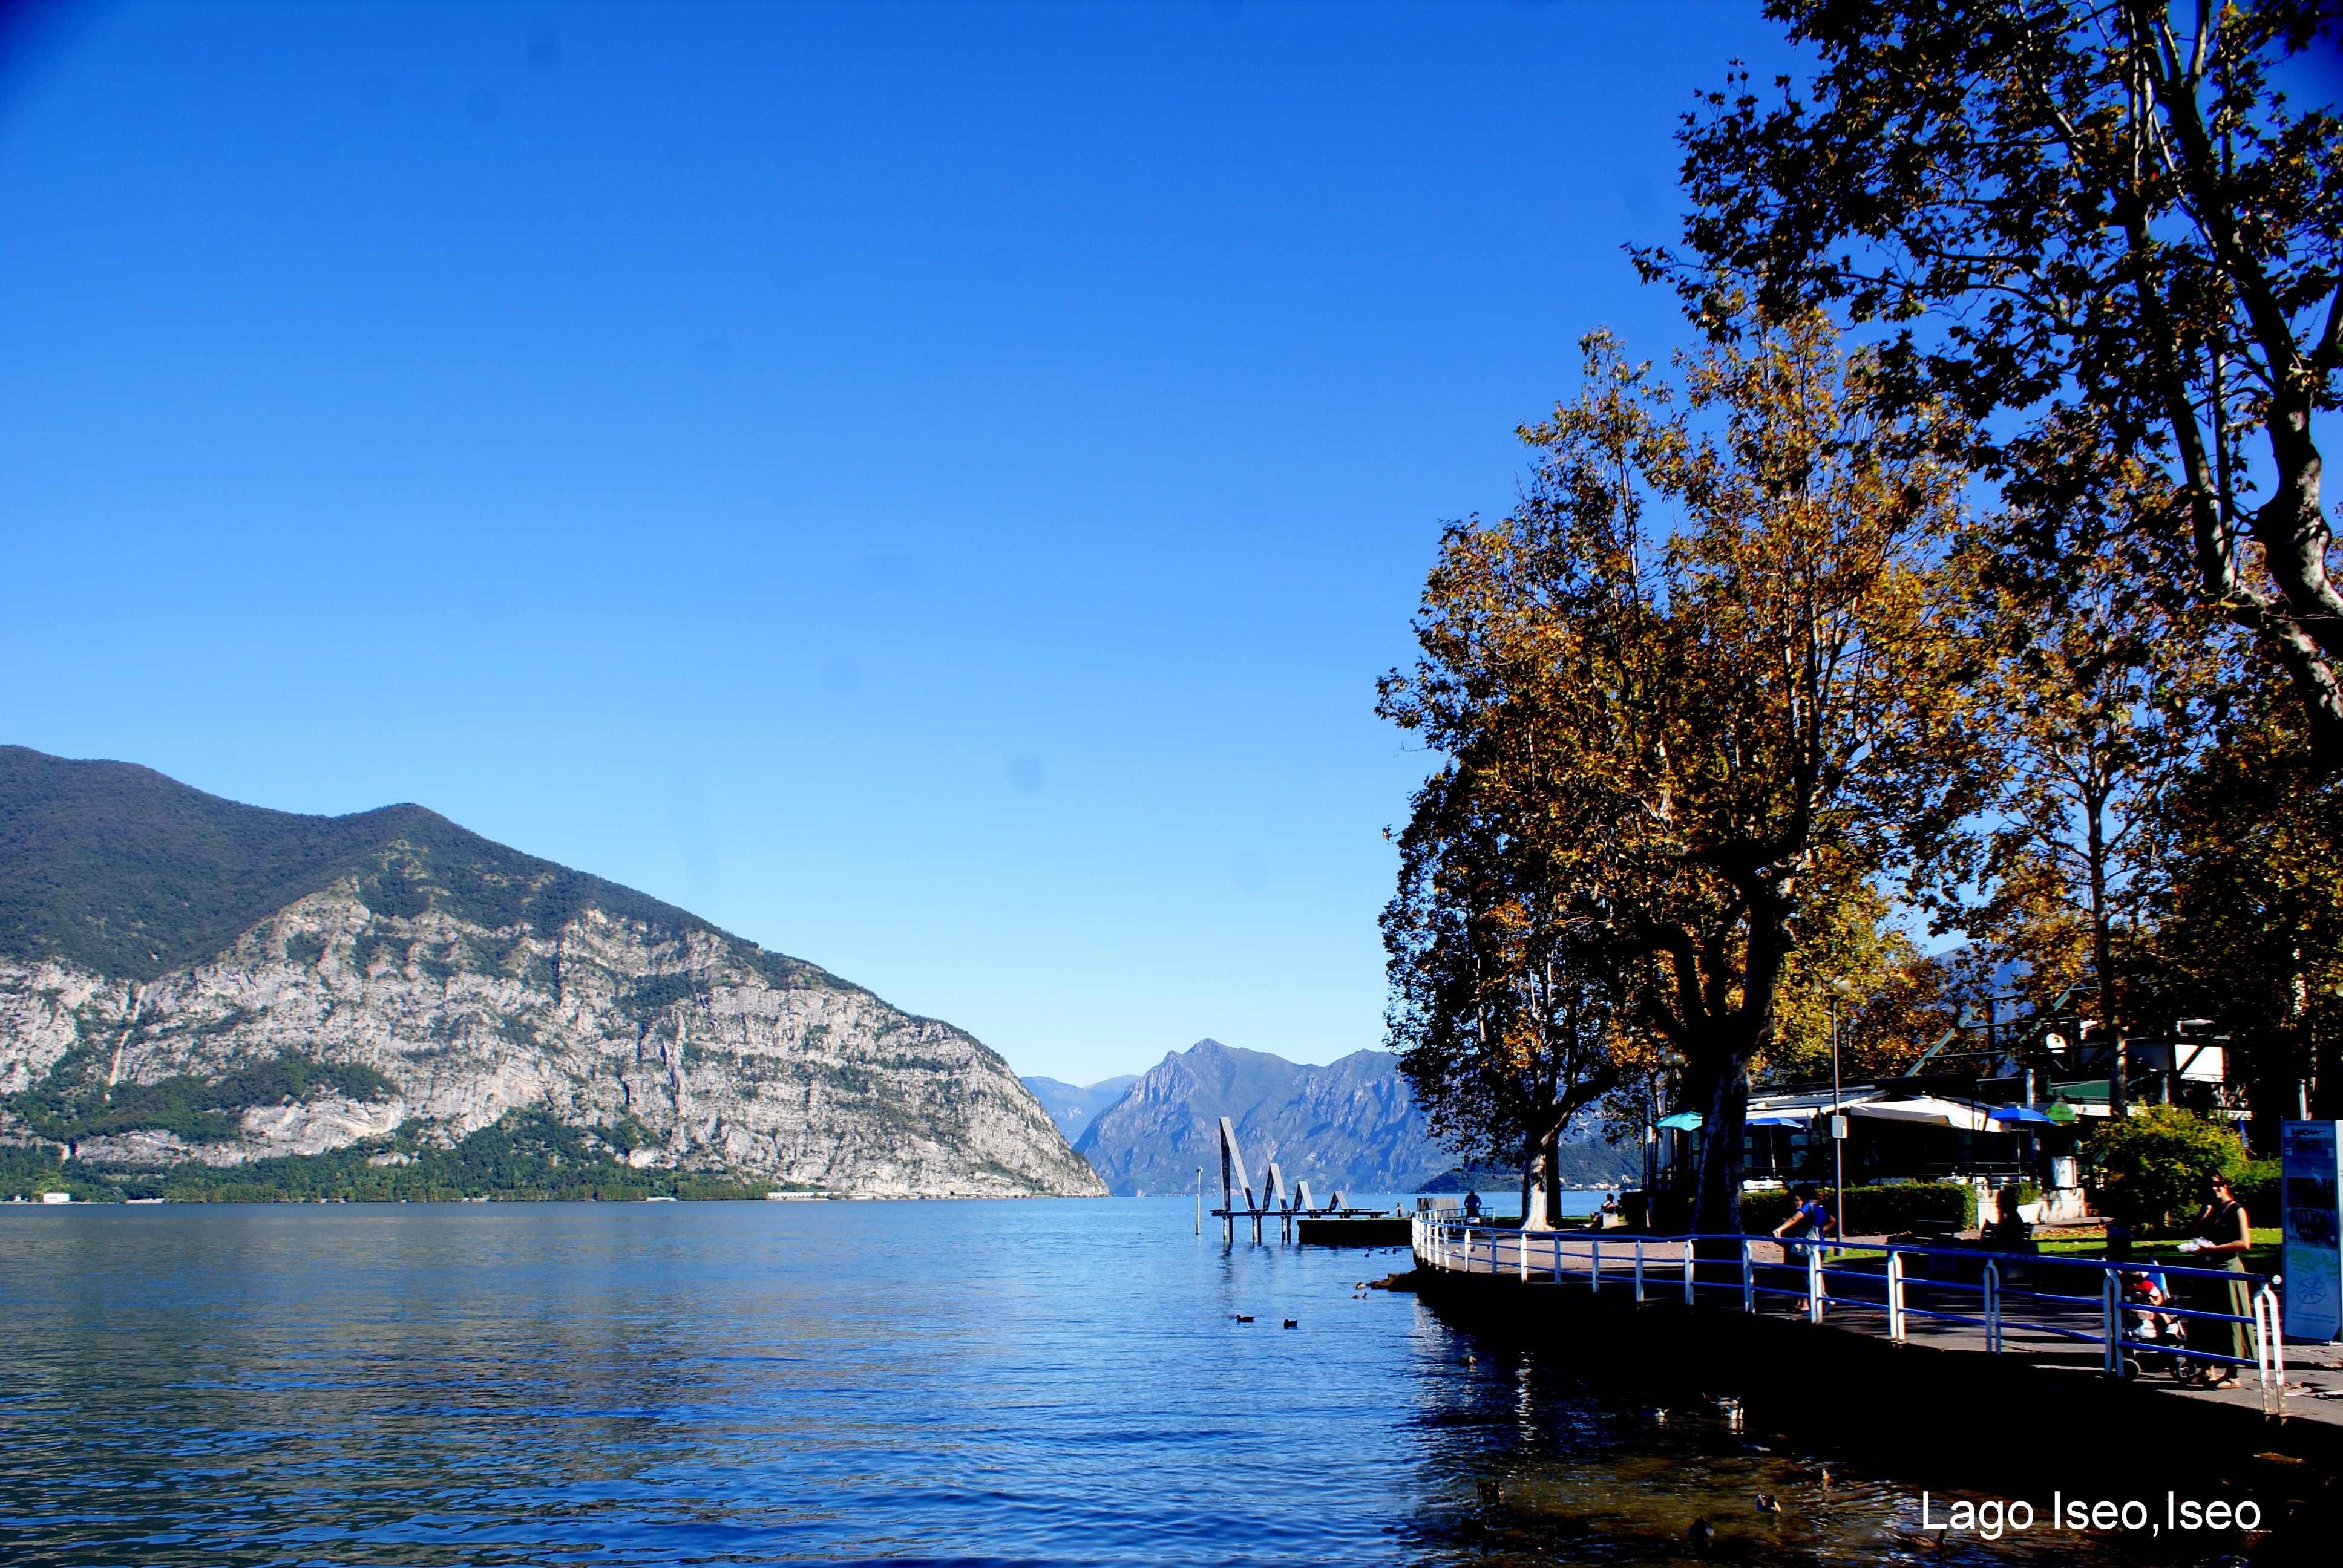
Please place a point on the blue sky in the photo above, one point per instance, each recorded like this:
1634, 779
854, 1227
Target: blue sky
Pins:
929, 486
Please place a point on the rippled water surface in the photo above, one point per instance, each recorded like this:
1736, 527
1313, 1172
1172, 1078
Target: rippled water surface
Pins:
649, 1383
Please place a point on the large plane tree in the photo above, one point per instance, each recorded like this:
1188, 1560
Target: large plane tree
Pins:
1702, 681
2108, 212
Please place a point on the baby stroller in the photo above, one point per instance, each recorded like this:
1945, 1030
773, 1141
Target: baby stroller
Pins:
2153, 1335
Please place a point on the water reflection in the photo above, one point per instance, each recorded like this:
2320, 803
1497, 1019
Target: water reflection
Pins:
1527, 1463
737, 1383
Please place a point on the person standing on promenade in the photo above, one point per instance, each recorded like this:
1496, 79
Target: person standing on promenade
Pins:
1472, 1205
2218, 1239
1808, 1220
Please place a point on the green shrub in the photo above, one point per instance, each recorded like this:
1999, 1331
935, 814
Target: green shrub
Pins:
2257, 1187
2153, 1163
1881, 1210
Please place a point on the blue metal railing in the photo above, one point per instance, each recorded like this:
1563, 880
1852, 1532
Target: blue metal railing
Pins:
1458, 1246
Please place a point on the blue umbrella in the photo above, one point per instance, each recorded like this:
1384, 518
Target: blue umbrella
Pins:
2016, 1113
1776, 1121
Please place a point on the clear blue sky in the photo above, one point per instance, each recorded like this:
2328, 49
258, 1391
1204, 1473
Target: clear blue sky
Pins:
929, 486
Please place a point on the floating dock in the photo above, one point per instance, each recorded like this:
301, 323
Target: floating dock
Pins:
1353, 1230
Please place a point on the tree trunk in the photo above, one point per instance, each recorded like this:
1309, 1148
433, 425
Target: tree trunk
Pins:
1540, 1149
1722, 1097
2103, 965
2273, 1094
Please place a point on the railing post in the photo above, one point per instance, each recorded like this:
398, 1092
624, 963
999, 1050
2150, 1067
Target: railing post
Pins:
2278, 1334
1687, 1270
1522, 1254
1639, 1271
1991, 1307
1894, 1295
1593, 1265
1813, 1284
1553, 1239
2269, 1349
1748, 1279
2111, 1322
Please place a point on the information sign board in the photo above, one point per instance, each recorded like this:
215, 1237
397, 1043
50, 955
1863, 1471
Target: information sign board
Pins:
2313, 1263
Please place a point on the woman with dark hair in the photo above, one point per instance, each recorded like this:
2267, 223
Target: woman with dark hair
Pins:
2218, 1239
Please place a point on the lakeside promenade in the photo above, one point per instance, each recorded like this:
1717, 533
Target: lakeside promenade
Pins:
2049, 1312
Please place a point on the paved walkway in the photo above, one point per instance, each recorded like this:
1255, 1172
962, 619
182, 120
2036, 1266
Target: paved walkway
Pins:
2031, 1314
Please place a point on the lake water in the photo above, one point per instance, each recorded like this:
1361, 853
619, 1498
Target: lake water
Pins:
1044, 1381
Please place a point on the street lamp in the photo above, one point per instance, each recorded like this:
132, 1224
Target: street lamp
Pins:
1839, 988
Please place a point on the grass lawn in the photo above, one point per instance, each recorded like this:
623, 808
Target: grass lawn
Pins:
2261, 1258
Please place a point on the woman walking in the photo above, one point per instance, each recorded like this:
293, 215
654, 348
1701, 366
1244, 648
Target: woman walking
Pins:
2218, 1241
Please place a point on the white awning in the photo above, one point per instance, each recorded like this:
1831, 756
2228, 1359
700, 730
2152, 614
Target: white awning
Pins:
1927, 1110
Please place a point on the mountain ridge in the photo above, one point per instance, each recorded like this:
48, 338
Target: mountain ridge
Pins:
397, 947
227, 878
1349, 1124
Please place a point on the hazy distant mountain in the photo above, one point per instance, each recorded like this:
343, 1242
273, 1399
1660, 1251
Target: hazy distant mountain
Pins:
1348, 1125
189, 982
1072, 1105
1586, 1161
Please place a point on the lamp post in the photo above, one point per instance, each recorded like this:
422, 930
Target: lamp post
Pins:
1839, 988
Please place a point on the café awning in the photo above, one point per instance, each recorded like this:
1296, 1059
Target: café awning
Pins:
1926, 1110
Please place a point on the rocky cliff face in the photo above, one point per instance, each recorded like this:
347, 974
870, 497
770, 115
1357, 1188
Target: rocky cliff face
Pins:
475, 980
1348, 1125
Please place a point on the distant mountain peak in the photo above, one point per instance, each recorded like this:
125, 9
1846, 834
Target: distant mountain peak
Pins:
1349, 1124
